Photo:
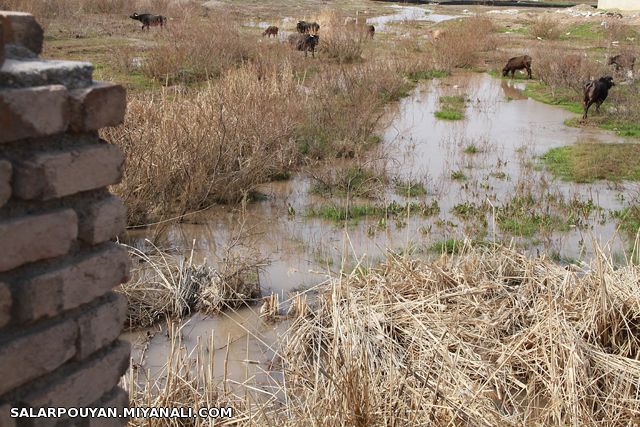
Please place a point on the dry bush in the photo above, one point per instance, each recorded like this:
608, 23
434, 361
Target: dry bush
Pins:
460, 44
619, 31
338, 41
491, 337
545, 28
191, 52
488, 337
345, 109
562, 70
184, 151
164, 286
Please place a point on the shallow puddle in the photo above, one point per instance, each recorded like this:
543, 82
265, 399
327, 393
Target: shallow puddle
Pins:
508, 130
407, 13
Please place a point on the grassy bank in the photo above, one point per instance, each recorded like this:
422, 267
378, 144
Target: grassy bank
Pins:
584, 162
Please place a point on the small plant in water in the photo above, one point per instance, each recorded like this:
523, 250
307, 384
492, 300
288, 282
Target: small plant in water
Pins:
458, 175
471, 149
451, 107
409, 188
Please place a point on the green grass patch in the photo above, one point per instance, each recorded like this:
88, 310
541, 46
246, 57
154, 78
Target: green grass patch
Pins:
451, 107
454, 246
458, 175
358, 211
588, 162
524, 216
409, 188
629, 219
354, 181
564, 98
427, 75
471, 149
583, 31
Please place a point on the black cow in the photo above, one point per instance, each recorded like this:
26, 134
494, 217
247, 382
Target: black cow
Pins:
305, 42
624, 60
517, 63
595, 92
148, 20
371, 30
304, 27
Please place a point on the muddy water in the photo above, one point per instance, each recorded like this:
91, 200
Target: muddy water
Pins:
509, 131
407, 13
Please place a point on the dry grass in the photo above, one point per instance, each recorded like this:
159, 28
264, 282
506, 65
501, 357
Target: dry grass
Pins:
559, 69
462, 42
165, 286
343, 43
488, 337
546, 29
185, 151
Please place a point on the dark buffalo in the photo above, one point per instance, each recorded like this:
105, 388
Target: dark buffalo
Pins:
371, 30
595, 92
305, 42
271, 31
148, 20
517, 63
304, 27
622, 61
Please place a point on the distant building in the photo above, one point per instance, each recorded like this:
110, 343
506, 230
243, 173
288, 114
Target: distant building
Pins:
619, 4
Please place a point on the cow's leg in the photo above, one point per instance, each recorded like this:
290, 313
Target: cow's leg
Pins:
513, 73
598, 106
313, 53
586, 109
529, 72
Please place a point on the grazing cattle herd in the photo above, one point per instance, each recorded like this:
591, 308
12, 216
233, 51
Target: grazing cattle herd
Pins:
306, 39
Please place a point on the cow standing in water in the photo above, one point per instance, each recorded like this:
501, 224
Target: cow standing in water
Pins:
517, 63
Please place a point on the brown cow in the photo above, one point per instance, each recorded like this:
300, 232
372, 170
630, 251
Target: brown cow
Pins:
622, 61
271, 30
517, 63
371, 30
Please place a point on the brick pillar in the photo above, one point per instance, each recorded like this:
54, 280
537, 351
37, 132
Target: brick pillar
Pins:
59, 317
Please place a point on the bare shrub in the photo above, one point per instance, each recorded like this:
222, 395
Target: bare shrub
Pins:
190, 53
546, 28
338, 41
559, 69
184, 151
460, 44
165, 286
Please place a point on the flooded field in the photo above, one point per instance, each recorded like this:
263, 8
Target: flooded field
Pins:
471, 170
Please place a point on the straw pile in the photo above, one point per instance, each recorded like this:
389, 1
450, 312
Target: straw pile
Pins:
490, 337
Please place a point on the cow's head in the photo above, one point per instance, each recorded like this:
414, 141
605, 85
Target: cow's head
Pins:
134, 15
607, 80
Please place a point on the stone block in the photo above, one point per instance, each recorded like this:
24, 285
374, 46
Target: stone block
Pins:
36, 237
32, 112
49, 175
71, 285
100, 105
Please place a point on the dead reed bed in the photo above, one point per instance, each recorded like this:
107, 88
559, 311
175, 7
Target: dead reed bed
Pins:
488, 337
166, 286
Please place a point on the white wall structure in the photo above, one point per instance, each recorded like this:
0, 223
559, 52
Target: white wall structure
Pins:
619, 4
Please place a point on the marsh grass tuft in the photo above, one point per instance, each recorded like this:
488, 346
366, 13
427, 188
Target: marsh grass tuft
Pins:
588, 162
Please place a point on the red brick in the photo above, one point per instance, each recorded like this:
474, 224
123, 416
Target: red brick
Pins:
36, 237
32, 112
102, 325
117, 398
100, 105
102, 220
5, 416
5, 181
22, 29
51, 175
35, 354
87, 384
5, 304
71, 285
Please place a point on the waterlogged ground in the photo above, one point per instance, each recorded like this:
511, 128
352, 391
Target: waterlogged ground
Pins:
482, 177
